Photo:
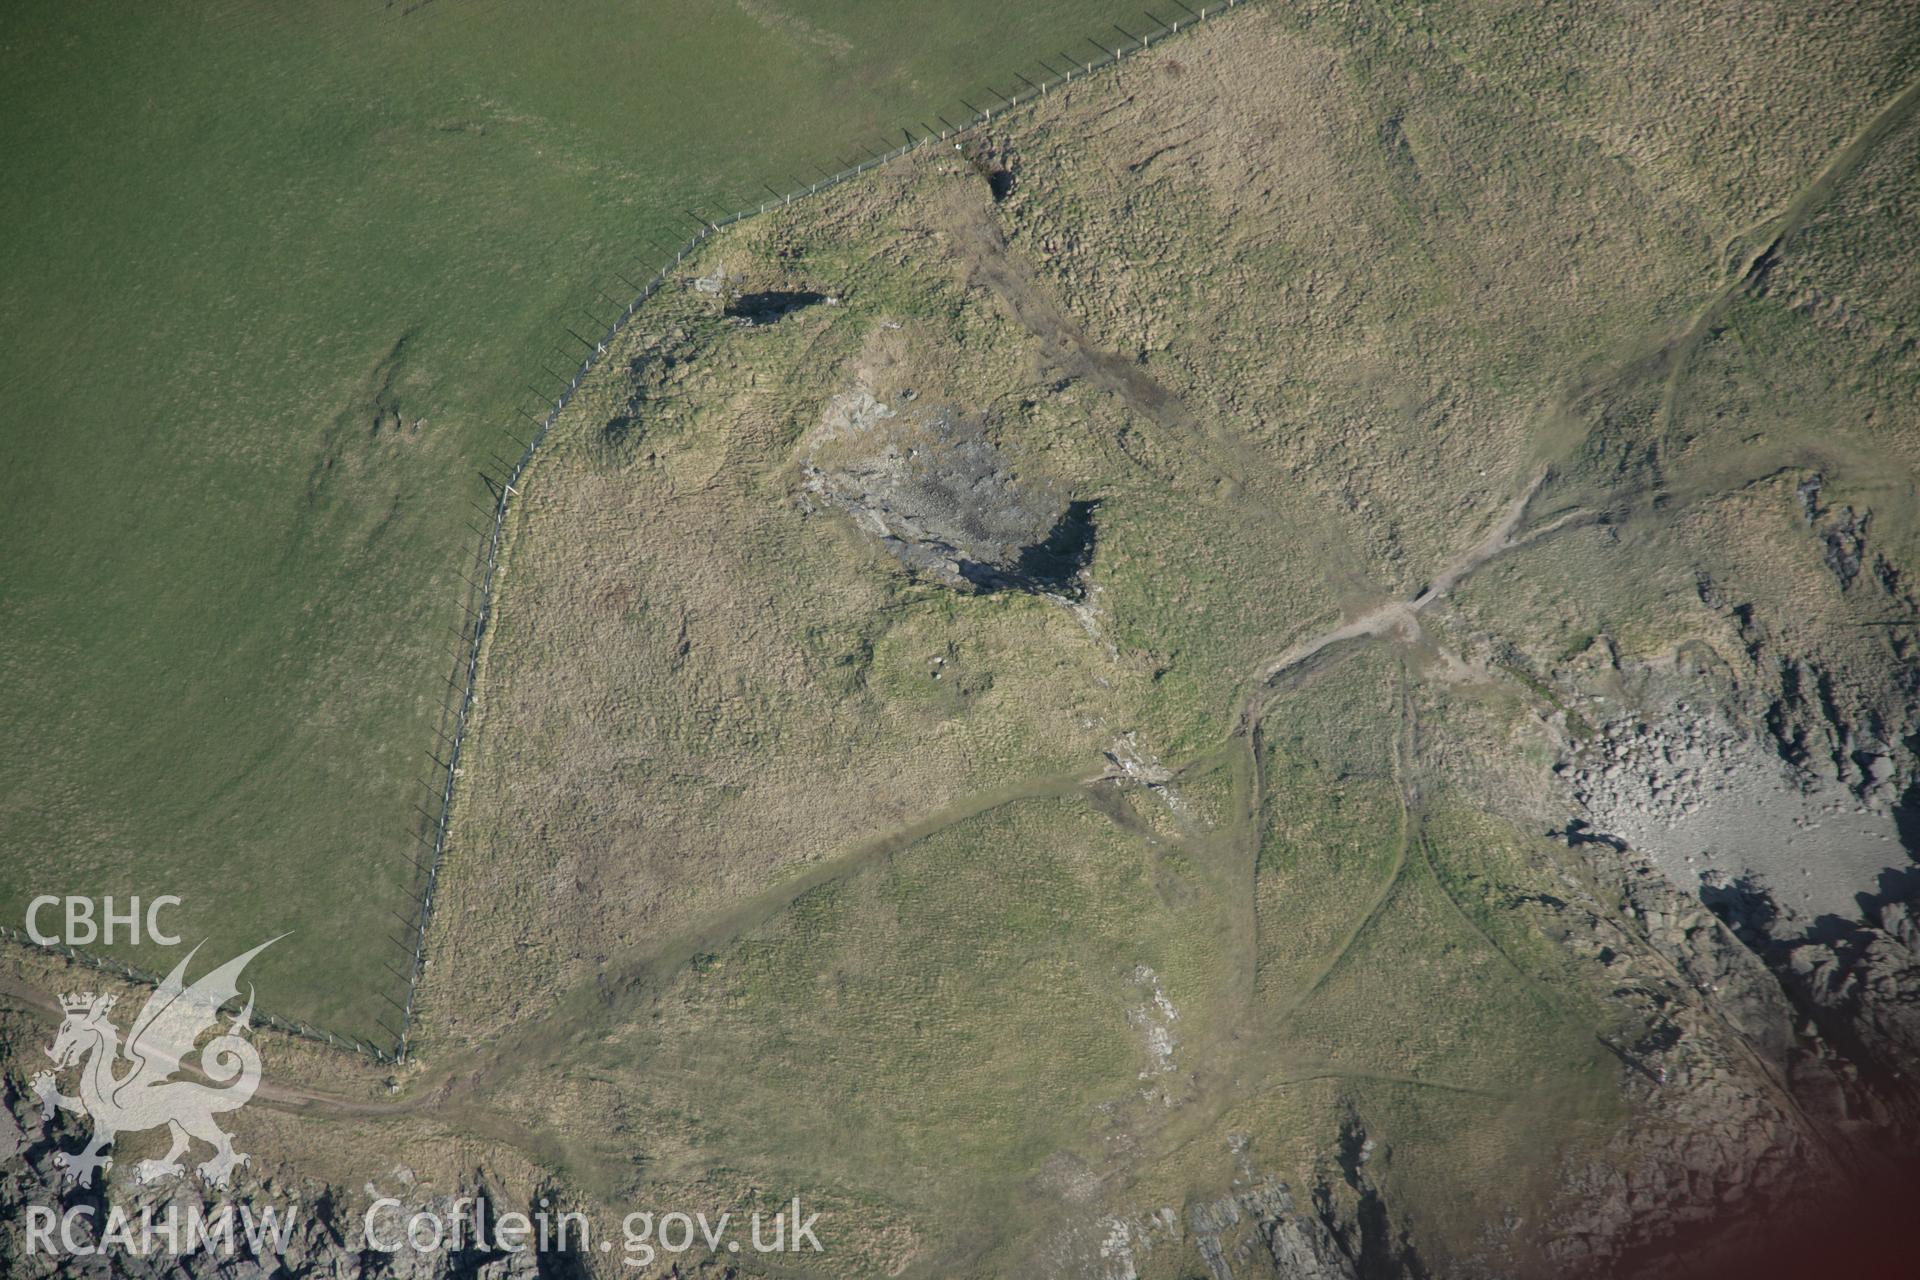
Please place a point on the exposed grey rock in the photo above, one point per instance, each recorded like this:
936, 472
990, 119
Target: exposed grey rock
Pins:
1303, 1248
1846, 544
943, 498
325, 1242
1296, 1245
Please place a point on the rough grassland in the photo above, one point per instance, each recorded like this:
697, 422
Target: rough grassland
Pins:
777, 870
276, 280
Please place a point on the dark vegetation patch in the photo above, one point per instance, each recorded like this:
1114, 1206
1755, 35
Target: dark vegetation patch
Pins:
769, 306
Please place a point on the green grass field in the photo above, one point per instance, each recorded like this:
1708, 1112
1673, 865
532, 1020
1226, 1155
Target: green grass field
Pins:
275, 281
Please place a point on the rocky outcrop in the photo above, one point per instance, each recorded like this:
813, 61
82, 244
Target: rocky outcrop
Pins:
1263, 1232
1342, 1229
284, 1232
935, 490
1762, 1065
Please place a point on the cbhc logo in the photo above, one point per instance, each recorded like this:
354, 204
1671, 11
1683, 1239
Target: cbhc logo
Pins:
85, 926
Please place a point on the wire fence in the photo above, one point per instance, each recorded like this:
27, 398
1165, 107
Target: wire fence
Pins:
504, 488
142, 977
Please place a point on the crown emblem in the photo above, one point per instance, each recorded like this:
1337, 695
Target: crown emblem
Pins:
129, 1088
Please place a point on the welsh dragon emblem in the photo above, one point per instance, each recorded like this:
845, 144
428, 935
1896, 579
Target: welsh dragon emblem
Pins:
129, 1089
